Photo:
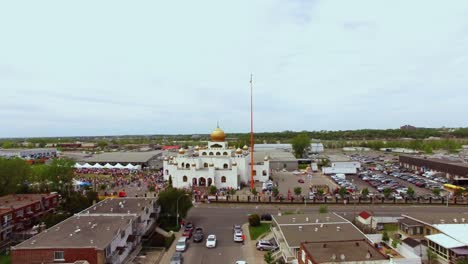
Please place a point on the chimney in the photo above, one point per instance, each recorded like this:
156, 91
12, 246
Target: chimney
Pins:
42, 227
357, 244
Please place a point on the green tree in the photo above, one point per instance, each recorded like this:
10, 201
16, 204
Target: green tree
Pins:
431, 256
410, 192
254, 191
323, 209
168, 201
13, 174
320, 193
387, 192
436, 192
385, 237
212, 190
102, 144
342, 192
365, 193
300, 144
275, 191
395, 242
268, 257
297, 191
8, 145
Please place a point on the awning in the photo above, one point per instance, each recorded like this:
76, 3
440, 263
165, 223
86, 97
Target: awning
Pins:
463, 251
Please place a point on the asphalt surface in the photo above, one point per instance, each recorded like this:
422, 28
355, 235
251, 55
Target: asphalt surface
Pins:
218, 219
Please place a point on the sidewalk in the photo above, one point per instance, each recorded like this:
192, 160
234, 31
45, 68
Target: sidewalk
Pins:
166, 258
249, 250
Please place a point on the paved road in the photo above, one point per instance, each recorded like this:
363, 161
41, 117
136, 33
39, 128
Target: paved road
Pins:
218, 219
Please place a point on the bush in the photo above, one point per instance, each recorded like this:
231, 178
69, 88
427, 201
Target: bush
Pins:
254, 220
212, 190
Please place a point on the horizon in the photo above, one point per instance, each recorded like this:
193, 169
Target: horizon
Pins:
152, 68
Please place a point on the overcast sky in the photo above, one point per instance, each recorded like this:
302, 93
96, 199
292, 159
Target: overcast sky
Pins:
157, 67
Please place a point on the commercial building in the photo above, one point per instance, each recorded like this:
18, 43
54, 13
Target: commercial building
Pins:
302, 237
107, 232
280, 160
216, 164
148, 160
456, 171
36, 153
19, 212
340, 164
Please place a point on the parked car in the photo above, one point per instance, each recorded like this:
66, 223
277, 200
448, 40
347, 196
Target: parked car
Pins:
211, 241
265, 245
300, 181
187, 233
188, 226
241, 262
266, 217
177, 258
181, 245
238, 236
198, 235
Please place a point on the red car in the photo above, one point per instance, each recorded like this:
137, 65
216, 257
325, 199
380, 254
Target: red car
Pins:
300, 181
187, 233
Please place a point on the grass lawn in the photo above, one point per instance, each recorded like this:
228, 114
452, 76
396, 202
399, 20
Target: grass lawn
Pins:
5, 259
257, 231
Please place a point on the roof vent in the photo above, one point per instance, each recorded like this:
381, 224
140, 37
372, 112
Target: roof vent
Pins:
333, 257
368, 255
357, 244
91, 241
463, 220
89, 223
316, 220
307, 219
316, 229
294, 220
78, 230
338, 228
112, 209
321, 225
342, 257
300, 228
455, 220
324, 245
128, 212
442, 221
71, 234
108, 228
328, 218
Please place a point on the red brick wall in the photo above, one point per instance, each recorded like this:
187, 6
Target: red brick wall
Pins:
35, 256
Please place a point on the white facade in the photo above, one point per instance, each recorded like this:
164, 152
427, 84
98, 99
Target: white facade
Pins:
217, 165
344, 167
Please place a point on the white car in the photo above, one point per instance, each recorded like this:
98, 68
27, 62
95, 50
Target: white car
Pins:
241, 262
181, 245
238, 235
211, 241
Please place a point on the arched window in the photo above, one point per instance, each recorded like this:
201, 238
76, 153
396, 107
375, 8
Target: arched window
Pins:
203, 153
183, 164
187, 166
223, 179
167, 172
218, 153
184, 179
205, 165
225, 166
225, 153
211, 153
264, 173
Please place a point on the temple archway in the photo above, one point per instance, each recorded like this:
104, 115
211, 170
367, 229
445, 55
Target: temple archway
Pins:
194, 182
202, 181
210, 181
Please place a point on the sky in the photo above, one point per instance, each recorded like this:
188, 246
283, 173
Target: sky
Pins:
83, 68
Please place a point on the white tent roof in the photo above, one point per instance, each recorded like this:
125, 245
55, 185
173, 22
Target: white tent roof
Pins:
97, 166
77, 165
138, 167
86, 165
108, 166
130, 166
119, 166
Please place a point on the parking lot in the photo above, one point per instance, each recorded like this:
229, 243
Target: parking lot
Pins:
287, 181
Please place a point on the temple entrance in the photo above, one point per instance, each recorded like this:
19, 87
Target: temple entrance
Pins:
194, 182
210, 181
202, 181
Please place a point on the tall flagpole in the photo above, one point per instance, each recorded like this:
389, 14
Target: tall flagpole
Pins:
251, 136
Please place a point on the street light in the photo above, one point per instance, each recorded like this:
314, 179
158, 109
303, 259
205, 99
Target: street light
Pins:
177, 208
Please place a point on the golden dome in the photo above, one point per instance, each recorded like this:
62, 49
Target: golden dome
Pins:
238, 151
182, 151
218, 135
266, 158
245, 147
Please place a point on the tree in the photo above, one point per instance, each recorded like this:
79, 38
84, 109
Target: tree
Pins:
275, 191
297, 191
431, 256
342, 192
254, 220
436, 192
254, 191
458, 193
13, 175
102, 144
365, 193
395, 242
323, 209
320, 193
212, 190
168, 201
410, 192
268, 257
60, 173
387, 192
300, 144
385, 237
8, 145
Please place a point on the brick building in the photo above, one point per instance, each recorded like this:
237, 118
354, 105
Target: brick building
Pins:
19, 212
455, 171
107, 232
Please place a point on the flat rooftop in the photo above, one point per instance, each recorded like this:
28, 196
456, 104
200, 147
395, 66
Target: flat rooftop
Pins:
122, 157
326, 232
338, 157
440, 218
79, 232
304, 219
353, 251
120, 206
20, 200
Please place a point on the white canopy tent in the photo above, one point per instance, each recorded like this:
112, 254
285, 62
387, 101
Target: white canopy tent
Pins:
119, 166
108, 166
97, 166
86, 165
78, 166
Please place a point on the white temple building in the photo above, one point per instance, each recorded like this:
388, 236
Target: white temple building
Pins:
216, 164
